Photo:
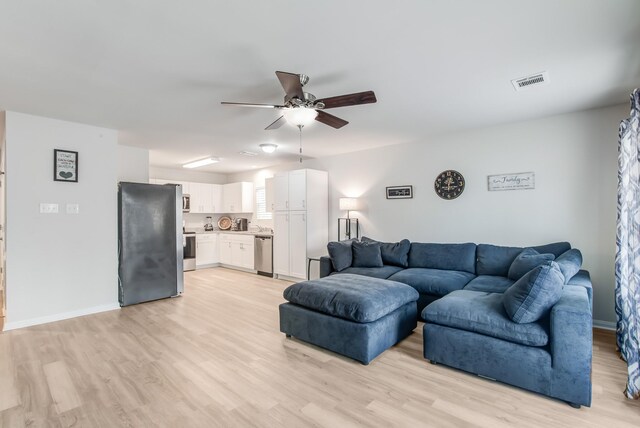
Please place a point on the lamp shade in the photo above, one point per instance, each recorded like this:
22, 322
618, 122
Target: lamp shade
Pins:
348, 204
300, 116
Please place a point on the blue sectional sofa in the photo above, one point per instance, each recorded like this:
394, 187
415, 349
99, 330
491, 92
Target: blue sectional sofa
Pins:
469, 322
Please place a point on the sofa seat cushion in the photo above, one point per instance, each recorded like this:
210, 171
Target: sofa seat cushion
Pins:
484, 313
433, 281
489, 284
353, 297
383, 272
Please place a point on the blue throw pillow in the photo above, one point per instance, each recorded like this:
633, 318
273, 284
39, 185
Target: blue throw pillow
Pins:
366, 254
525, 261
533, 295
570, 263
393, 253
340, 253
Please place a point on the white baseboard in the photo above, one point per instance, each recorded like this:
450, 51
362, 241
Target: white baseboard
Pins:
605, 325
59, 317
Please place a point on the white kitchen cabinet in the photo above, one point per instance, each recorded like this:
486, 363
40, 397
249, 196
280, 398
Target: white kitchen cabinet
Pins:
237, 250
298, 245
281, 191
303, 231
207, 251
237, 197
269, 194
297, 190
281, 243
205, 198
225, 250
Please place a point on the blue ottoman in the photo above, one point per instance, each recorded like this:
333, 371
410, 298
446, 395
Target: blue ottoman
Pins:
353, 315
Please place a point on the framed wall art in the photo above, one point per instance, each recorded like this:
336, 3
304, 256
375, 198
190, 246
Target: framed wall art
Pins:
516, 181
65, 165
400, 192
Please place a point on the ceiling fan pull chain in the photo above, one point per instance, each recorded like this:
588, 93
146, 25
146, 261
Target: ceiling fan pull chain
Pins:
300, 128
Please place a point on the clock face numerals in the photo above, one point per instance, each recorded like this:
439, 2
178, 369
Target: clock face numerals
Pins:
449, 184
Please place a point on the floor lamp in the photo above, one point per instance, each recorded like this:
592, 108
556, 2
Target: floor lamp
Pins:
348, 205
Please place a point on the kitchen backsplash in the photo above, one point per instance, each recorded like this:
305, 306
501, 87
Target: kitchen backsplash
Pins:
195, 221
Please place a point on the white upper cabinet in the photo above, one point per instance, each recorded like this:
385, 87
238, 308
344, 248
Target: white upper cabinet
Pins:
297, 190
269, 194
281, 191
237, 198
209, 198
290, 191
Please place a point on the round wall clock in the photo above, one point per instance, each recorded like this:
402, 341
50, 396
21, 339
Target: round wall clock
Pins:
449, 184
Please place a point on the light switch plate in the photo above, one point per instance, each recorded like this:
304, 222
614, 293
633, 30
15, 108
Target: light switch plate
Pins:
73, 208
48, 208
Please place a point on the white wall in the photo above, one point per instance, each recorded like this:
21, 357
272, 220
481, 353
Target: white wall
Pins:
133, 164
572, 155
59, 265
187, 175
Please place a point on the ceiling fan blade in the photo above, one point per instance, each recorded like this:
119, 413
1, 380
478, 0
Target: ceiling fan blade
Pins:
331, 120
226, 103
291, 84
276, 124
349, 100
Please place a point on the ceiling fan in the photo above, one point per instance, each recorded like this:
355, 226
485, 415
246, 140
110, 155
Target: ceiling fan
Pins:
301, 108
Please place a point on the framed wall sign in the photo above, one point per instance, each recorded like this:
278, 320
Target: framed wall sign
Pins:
516, 181
400, 192
65, 165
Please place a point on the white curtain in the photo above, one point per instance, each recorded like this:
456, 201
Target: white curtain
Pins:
628, 246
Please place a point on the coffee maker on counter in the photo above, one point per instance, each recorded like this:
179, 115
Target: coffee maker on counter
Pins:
240, 224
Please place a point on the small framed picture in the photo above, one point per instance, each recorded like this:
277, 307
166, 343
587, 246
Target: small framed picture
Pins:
65, 165
400, 192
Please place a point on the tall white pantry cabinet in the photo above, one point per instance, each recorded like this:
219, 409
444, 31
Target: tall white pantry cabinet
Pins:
301, 220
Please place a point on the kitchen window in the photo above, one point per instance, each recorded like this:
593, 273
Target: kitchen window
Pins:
261, 205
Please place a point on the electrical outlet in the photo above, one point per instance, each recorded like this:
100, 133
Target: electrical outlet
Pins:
73, 208
48, 208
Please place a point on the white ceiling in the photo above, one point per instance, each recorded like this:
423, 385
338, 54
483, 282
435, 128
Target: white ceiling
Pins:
157, 70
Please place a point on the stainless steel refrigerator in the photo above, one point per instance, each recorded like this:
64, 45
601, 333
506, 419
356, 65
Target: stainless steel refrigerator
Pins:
150, 249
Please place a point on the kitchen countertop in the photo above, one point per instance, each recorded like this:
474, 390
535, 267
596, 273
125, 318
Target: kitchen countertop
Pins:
231, 232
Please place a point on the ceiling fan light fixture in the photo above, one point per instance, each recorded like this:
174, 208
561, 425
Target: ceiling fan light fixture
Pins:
268, 147
201, 162
300, 116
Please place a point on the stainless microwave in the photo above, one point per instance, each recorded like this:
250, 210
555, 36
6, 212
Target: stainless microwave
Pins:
186, 203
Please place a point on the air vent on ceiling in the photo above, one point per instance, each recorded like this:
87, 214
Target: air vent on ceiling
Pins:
530, 81
246, 153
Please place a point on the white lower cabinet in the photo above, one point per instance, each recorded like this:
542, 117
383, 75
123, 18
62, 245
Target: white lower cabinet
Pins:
281, 243
207, 252
237, 250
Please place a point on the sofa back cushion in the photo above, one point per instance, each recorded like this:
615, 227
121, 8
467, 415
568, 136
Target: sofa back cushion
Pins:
570, 263
366, 254
555, 248
393, 253
340, 253
532, 296
495, 260
527, 260
460, 257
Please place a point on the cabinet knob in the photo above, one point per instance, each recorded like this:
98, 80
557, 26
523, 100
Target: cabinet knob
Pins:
304, 203
286, 204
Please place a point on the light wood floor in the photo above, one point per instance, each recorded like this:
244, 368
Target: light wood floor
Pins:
215, 357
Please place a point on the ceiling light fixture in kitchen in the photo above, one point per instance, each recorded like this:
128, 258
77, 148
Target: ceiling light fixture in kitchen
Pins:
201, 162
268, 147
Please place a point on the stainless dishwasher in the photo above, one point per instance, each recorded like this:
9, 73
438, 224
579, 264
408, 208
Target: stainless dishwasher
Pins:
263, 255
